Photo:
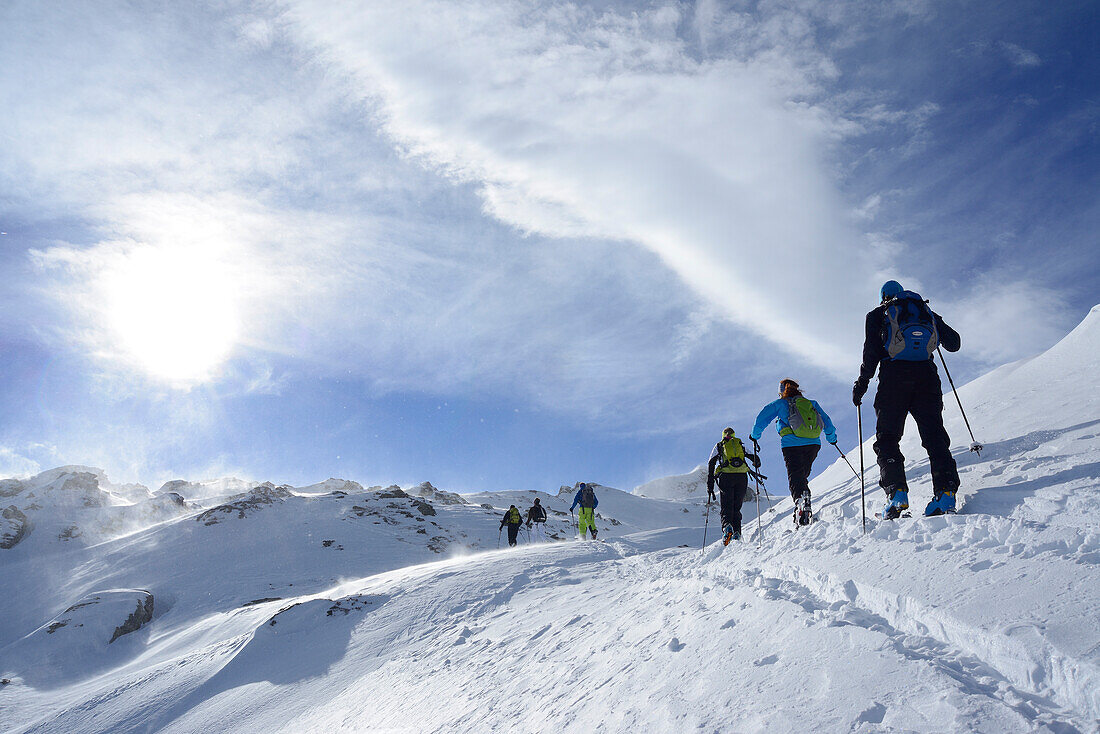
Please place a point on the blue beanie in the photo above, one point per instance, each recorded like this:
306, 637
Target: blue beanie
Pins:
890, 289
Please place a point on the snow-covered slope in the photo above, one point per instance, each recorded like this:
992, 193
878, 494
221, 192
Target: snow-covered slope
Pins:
678, 486
984, 621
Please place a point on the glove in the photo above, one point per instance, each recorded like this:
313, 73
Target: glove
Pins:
858, 391
755, 460
755, 446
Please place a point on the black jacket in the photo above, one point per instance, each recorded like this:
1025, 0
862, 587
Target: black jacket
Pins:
874, 342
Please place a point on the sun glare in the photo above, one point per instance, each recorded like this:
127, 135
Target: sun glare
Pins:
174, 313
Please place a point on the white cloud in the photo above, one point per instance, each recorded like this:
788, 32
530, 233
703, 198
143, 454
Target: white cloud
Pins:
577, 122
612, 150
1002, 318
14, 464
1020, 56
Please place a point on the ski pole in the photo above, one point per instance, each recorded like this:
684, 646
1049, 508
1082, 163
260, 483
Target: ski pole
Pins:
706, 523
846, 460
498, 535
762, 478
862, 483
974, 445
759, 522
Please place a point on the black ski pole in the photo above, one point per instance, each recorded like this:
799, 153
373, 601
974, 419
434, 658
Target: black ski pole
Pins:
862, 483
759, 522
498, 535
974, 445
707, 521
846, 460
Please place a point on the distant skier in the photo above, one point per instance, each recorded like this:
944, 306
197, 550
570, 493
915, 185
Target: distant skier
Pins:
800, 422
586, 498
901, 336
728, 464
513, 520
536, 516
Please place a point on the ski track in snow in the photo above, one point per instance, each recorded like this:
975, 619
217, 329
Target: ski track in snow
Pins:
985, 621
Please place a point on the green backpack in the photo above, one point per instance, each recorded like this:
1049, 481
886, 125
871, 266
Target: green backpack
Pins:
802, 418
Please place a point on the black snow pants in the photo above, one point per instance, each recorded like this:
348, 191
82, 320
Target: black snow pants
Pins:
912, 388
513, 533
799, 461
732, 489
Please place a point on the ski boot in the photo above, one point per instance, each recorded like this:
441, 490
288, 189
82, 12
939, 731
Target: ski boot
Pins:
593, 533
803, 515
943, 503
728, 534
899, 503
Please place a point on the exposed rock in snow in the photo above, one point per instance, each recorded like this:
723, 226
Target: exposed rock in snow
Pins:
438, 496
141, 614
243, 505
13, 528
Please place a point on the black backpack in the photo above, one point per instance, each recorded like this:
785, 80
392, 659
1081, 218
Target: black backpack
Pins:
588, 497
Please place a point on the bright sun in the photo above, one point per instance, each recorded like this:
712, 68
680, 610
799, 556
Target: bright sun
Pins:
172, 312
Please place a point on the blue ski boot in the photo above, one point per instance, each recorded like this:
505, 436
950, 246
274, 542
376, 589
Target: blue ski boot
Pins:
729, 534
942, 503
898, 503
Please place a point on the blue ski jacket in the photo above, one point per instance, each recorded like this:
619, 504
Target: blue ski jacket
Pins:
577, 500
777, 411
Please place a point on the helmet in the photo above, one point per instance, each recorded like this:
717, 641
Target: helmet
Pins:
727, 431
890, 289
536, 500
582, 485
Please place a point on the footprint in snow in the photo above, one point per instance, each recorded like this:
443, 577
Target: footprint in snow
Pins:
675, 645
770, 660
873, 715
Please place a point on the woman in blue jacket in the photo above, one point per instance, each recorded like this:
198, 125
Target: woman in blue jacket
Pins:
800, 422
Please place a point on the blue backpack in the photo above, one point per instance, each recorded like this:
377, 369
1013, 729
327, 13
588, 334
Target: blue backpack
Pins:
910, 328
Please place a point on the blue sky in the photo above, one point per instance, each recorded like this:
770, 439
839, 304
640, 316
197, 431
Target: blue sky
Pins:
505, 245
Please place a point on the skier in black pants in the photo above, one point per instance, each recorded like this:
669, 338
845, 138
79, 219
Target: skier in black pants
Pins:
513, 520
728, 464
901, 339
800, 423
